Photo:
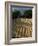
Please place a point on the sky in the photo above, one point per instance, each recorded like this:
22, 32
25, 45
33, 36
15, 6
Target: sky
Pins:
20, 8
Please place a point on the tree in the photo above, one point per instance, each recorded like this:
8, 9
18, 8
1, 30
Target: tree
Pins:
28, 14
16, 14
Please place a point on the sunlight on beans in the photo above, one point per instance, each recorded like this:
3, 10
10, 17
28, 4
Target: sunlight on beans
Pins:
24, 29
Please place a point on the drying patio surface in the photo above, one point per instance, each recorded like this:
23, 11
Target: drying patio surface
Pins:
23, 27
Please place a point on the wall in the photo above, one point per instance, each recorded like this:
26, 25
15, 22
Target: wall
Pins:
2, 28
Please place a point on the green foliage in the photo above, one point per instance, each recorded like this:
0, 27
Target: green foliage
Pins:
28, 13
16, 13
